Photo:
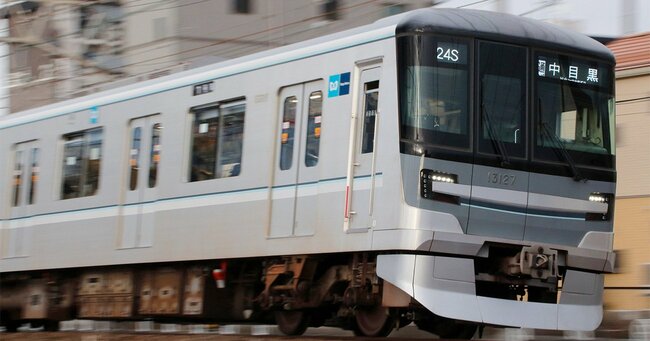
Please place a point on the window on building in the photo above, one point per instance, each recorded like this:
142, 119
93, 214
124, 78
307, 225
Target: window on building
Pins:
154, 160
314, 128
81, 163
241, 6
330, 9
217, 141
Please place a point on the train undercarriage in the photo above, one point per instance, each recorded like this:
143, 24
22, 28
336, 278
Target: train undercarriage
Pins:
296, 292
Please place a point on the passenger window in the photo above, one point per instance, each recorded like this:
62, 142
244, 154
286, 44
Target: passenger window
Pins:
502, 72
18, 177
34, 176
81, 163
217, 141
314, 128
288, 131
232, 138
156, 130
371, 91
134, 160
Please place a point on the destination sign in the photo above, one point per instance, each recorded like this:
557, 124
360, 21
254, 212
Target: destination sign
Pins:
451, 53
571, 70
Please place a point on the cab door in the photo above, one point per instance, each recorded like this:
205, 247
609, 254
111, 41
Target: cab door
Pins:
294, 194
140, 190
24, 191
499, 194
360, 189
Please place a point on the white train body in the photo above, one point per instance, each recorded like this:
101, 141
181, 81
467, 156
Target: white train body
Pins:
351, 199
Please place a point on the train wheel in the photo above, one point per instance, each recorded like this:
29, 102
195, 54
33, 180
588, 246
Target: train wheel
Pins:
292, 322
374, 321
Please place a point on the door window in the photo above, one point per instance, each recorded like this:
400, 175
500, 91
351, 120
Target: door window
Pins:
154, 160
134, 160
18, 177
288, 132
34, 176
371, 98
314, 128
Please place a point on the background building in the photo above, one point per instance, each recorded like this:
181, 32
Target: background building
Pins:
63, 49
630, 290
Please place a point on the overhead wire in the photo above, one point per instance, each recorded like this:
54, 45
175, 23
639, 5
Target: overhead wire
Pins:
152, 7
240, 50
248, 35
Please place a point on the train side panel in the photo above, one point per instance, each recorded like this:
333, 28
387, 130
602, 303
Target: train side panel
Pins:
211, 219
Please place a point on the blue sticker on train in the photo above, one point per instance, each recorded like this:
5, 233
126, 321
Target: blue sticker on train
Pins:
339, 85
94, 115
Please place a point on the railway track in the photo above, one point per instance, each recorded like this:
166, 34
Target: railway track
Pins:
169, 332
109, 331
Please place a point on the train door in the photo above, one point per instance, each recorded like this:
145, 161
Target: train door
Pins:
140, 192
294, 194
25, 177
362, 168
499, 193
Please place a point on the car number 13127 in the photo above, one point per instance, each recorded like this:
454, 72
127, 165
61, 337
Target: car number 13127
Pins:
501, 179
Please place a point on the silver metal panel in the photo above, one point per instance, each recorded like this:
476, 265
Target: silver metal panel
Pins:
20, 210
598, 241
137, 214
362, 168
517, 313
285, 181
557, 209
581, 302
455, 296
454, 269
411, 167
398, 270
307, 192
498, 202
448, 298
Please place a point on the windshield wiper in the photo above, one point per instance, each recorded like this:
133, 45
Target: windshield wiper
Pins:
496, 142
559, 145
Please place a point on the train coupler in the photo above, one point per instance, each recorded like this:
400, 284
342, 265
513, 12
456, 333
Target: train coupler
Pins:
535, 261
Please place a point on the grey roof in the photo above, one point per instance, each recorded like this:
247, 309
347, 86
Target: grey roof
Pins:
501, 27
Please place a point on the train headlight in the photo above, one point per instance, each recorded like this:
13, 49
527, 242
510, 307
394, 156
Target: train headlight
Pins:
442, 177
427, 179
603, 198
598, 197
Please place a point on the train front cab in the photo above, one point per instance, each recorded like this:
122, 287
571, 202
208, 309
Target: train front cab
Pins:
507, 161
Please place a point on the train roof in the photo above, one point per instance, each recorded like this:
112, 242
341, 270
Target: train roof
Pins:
463, 22
501, 27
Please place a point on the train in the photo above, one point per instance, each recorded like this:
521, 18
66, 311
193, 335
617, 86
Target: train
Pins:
453, 168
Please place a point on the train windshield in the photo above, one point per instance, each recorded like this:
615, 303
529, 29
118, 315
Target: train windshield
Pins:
572, 102
434, 92
574, 111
